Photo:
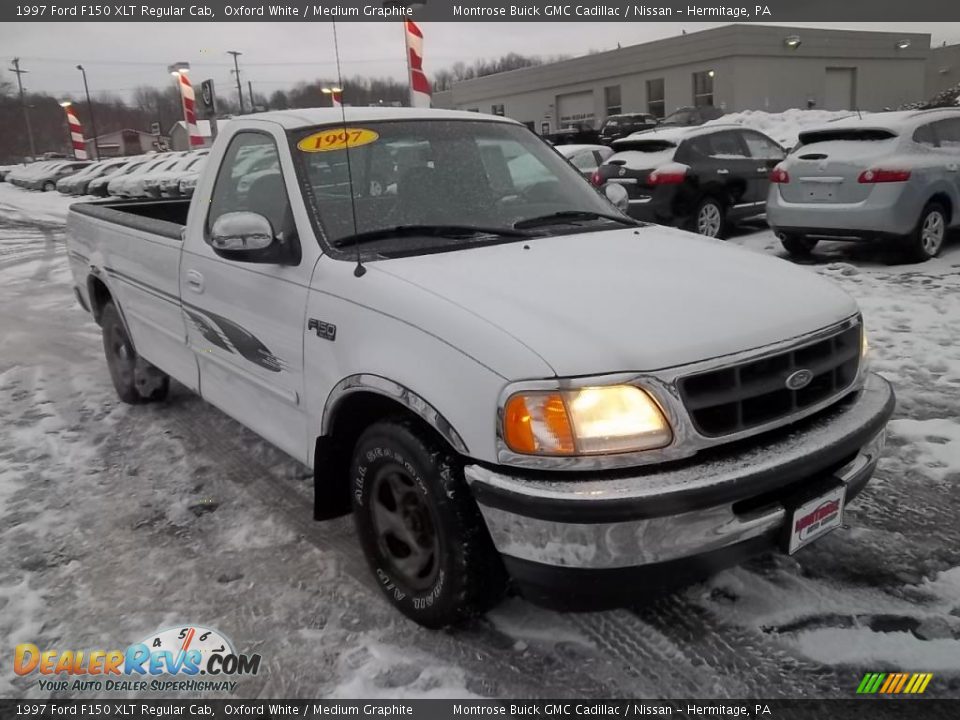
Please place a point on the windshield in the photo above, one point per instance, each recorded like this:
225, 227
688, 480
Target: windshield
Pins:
482, 174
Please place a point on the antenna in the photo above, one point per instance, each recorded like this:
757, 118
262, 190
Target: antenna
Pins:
359, 270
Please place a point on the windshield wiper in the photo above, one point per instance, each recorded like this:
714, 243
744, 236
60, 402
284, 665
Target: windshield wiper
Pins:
572, 216
446, 231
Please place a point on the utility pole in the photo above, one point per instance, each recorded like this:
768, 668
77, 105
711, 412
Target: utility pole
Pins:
253, 107
23, 103
236, 69
93, 122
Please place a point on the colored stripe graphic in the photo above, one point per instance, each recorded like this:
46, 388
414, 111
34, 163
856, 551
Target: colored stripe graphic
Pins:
894, 683
189, 110
76, 135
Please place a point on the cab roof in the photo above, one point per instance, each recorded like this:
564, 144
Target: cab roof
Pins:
308, 117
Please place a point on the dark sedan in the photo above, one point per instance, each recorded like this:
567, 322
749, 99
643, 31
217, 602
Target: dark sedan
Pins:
703, 179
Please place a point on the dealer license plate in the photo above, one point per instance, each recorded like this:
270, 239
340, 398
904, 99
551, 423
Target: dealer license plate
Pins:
816, 518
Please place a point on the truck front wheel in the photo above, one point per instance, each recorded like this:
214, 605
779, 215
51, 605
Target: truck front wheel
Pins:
134, 379
421, 531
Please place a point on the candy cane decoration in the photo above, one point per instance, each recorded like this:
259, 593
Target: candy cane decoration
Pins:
335, 99
419, 85
76, 134
190, 110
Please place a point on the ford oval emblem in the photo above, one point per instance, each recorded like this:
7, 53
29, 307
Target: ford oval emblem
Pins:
799, 380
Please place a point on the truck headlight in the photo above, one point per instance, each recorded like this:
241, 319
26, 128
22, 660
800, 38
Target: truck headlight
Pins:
586, 421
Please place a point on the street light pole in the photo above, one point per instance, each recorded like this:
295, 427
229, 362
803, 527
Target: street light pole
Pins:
93, 122
236, 70
23, 102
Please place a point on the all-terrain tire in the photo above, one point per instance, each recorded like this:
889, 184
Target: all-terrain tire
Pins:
420, 528
135, 380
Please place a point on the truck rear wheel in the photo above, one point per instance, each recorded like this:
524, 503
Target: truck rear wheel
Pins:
134, 379
421, 531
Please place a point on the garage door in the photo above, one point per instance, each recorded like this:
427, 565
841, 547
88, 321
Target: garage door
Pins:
838, 92
575, 109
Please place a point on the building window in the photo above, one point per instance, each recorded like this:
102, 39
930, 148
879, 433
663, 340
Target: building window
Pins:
703, 88
496, 109
612, 98
655, 98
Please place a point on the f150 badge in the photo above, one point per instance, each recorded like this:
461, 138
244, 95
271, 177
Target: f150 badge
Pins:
325, 330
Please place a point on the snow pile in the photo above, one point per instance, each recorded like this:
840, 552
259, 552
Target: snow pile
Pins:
784, 127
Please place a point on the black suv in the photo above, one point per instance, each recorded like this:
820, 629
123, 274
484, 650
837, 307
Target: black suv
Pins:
690, 116
700, 178
620, 126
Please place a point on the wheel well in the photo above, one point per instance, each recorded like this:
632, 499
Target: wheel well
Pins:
944, 200
99, 296
331, 462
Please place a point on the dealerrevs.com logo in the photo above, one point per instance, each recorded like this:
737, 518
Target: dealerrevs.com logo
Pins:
189, 658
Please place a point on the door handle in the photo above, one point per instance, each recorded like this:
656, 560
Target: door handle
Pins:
723, 171
195, 281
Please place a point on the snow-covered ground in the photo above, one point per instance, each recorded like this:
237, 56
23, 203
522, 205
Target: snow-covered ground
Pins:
117, 520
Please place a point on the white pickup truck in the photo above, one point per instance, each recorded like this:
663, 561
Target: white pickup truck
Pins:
507, 380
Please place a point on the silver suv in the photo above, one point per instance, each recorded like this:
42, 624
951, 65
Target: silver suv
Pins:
891, 174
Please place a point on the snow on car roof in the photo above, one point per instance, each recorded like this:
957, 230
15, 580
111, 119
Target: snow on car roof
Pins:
568, 150
306, 117
896, 121
676, 134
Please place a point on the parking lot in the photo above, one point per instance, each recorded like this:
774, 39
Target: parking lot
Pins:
120, 519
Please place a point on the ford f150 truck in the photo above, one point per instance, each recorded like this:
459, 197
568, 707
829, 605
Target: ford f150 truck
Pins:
504, 378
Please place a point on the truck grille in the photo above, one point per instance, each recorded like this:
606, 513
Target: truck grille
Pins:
755, 393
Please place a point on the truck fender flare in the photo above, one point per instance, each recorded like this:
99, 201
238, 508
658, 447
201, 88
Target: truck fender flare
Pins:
103, 278
363, 382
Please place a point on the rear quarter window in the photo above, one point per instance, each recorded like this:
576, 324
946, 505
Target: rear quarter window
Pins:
846, 135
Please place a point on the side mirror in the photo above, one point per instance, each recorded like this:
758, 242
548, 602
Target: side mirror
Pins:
240, 231
617, 195
249, 237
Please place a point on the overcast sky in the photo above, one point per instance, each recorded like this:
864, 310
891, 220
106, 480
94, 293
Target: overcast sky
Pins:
121, 56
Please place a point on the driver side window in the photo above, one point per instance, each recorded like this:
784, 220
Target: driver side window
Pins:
250, 180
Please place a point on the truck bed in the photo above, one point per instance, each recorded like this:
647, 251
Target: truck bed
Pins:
159, 217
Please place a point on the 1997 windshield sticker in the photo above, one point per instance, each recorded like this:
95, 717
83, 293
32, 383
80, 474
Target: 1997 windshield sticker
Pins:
337, 139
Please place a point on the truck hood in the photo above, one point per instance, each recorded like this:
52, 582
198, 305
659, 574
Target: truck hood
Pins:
629, 300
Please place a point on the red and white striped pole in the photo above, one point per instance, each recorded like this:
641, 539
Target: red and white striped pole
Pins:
419, 85
76, 132
189, 110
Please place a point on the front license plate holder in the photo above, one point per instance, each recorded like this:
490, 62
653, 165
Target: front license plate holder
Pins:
814, 515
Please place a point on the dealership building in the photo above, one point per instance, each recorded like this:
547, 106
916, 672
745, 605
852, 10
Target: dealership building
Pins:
735, 67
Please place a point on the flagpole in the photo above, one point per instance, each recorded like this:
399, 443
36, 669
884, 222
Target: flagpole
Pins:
406, 53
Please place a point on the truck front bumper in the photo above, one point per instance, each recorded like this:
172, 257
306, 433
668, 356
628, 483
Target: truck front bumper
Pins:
576, 541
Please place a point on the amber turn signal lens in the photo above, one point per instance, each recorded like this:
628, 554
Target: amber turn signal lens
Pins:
537, 424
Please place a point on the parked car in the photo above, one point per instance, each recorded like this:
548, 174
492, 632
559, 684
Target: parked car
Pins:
495, 383
702, 178
131, 184
585, 158
46, 179
100, 186
893, 175
691, 116
620, 126
156, 182
77, 184
22, 174
577, 134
